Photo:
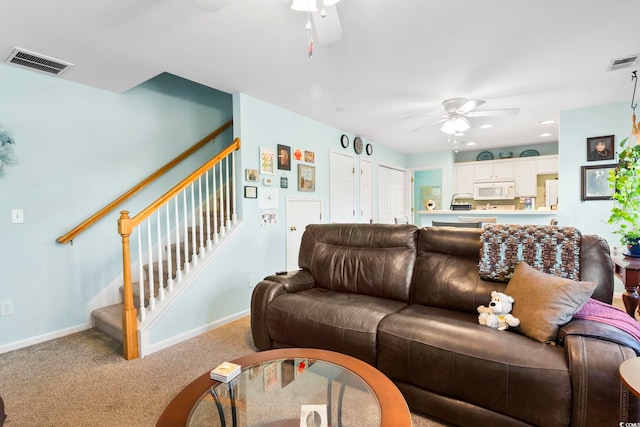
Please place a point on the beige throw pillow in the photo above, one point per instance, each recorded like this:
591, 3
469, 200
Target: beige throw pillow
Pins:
544, 302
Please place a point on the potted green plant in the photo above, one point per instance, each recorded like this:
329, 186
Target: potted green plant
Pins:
624, 180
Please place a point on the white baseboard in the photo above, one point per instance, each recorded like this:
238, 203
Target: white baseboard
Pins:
42, 338
147, 349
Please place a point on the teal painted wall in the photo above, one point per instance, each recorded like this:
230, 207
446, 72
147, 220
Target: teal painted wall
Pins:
79, 148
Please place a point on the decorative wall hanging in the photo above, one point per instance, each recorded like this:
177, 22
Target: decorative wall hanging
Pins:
306, 178
595, 182
267, 161
7, 156
297, 154
284, 157
309, 156
251, 175
284, 181
250, 192
600, 148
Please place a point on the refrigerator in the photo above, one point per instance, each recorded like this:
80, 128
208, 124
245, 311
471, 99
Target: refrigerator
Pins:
551, 193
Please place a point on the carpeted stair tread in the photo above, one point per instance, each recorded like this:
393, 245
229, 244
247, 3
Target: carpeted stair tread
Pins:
109, 320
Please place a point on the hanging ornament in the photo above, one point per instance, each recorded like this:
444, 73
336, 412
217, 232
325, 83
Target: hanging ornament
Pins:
309, 38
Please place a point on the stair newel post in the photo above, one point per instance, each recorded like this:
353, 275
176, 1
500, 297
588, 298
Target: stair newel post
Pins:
129, 314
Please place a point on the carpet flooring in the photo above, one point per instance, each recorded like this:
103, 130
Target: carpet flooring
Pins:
82, 379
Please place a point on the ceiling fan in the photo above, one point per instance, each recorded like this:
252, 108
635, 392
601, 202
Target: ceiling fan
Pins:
458, 110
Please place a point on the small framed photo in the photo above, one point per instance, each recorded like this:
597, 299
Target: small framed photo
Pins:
600, 148
309, 156
250, 192
251, 175
306, 178
595, 182
284, 157
267, 161
271, 376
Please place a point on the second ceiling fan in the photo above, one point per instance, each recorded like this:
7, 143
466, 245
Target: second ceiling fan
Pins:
457, 110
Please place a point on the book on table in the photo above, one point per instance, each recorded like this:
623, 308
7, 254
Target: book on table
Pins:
225, 372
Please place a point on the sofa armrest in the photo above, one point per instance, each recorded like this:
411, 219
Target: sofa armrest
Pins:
602, 331
294, 281
268, 290
598, 396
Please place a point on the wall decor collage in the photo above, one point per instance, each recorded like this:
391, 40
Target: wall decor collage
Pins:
271, 161
594, 178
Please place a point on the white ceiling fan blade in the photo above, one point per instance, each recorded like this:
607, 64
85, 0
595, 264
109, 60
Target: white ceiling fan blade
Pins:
493, 113
470, 105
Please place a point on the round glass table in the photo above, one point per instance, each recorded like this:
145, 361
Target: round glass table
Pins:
292, 387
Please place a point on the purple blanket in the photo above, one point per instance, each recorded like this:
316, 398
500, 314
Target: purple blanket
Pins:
605, 313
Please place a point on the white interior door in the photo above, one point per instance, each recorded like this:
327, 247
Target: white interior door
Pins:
300, 212
366, 190
342, 188
391, 203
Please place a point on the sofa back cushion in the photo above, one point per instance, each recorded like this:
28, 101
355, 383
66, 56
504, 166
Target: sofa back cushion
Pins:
368, 259
447, 269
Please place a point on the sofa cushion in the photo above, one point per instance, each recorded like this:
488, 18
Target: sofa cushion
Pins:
338, 321
553, 250
544, 302
367, 259
449, 353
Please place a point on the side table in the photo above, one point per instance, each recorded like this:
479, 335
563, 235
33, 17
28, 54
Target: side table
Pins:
630, 375
628, 270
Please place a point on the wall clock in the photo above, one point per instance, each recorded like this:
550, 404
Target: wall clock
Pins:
369, 149
357, 145
344, 141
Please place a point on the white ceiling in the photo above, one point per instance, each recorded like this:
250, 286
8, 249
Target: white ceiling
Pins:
396, 57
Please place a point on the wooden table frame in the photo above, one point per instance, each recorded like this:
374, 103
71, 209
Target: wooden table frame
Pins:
393, 408
628, 270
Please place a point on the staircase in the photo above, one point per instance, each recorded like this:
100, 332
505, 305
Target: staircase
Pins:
109, 318
165, 243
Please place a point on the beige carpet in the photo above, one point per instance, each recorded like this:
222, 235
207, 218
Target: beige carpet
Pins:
82, 379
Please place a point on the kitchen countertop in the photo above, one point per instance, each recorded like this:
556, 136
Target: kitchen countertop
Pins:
491, 212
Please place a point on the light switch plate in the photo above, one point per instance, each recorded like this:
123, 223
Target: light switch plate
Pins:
17, 216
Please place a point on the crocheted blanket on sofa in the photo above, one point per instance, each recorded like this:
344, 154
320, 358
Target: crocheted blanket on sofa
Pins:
552, 250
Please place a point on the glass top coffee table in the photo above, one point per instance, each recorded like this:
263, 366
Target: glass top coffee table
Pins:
292, 387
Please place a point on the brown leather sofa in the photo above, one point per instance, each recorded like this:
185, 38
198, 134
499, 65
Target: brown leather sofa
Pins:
405, 300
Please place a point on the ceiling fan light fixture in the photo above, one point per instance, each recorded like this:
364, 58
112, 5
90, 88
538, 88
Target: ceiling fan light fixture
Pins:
455, 124
304, 5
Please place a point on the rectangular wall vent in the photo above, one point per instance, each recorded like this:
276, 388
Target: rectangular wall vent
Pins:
620, 63
37, 61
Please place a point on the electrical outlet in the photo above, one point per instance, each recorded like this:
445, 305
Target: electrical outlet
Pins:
252, 281
6, 308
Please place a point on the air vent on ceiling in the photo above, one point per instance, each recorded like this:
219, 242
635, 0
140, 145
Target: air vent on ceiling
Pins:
37, 61
620, 63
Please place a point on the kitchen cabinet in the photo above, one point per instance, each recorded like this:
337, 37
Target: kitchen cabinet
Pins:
465, 178
501, 170
547, 165
526, 178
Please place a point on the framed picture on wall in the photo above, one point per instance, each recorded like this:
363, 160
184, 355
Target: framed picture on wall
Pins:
250, 192
267, 161
284, 157
251, 175
306, 178
595, 182
600, 148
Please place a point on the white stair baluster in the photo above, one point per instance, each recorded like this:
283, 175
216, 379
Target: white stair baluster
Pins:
169, 264
142, 311
160, 258
178, 264
152, 299
208, 209
201, 231
185, 217
215, 206
228, 200
233, 182
221, 194
194, 228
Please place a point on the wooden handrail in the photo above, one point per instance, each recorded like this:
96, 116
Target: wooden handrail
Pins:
162, 200
111, 206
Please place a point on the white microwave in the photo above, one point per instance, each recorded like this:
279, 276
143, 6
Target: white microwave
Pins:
494, 190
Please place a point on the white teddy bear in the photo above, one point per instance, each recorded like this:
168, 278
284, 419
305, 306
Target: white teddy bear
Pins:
498, 314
